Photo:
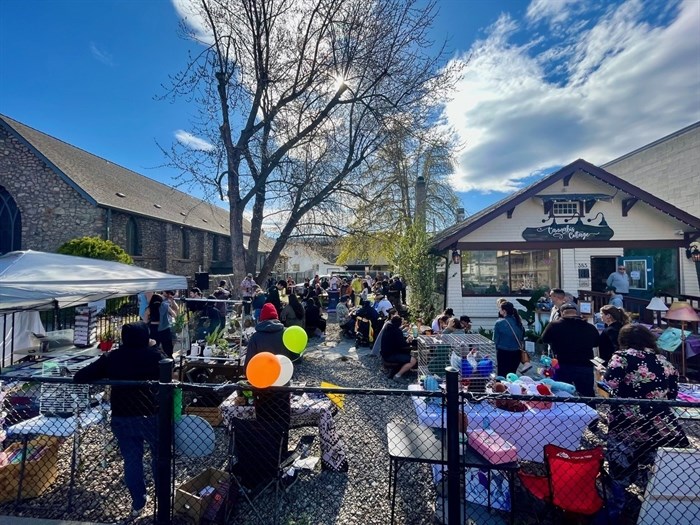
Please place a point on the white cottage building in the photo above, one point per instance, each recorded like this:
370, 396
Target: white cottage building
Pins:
568, 230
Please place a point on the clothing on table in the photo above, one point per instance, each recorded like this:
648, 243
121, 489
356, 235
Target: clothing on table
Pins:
134, 408
635, 432
620, 281
608, 341
572, 341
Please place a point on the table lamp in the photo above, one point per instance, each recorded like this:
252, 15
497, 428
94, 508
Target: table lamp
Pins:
683, 312
657, 305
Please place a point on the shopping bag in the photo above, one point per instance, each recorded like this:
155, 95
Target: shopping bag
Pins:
477, 488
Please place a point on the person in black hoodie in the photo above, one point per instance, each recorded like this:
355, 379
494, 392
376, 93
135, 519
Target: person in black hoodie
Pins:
268, 336
134, 408
395, 348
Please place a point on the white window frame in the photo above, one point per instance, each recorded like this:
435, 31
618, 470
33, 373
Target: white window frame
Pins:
569, 204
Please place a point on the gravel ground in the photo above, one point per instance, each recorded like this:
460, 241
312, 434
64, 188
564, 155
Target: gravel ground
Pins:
319, 497
356, 497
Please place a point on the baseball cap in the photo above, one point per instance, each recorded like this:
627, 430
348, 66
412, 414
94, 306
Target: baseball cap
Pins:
568, 306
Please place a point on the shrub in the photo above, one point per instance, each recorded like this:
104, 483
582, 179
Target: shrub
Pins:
95, 248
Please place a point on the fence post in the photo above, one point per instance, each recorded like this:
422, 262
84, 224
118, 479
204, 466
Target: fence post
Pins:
165, 442
454, 499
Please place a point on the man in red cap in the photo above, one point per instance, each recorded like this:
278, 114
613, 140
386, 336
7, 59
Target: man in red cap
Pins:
268, 335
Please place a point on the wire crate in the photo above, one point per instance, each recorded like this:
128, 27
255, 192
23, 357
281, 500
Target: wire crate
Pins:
434, 356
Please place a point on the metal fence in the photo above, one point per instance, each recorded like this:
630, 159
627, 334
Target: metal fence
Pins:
311, 455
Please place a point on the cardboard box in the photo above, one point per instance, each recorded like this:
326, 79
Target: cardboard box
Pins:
188, 501
39, 473
211, 414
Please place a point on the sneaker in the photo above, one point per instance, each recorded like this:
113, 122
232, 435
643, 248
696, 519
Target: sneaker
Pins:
137, 512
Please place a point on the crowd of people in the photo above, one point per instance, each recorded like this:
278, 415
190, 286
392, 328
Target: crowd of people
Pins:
370, 311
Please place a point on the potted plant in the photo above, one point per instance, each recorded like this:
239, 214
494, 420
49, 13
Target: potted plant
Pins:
106, 340
214, 340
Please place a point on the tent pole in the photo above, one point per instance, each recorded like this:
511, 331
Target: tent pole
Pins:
55, 315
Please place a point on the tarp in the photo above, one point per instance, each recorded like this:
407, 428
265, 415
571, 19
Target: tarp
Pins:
32, 280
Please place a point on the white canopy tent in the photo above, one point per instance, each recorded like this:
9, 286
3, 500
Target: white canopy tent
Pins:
32, 280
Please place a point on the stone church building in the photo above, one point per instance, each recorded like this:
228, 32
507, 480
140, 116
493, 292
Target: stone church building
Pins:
52, 192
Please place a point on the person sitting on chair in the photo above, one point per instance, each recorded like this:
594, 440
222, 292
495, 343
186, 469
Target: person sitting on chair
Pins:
396, 349
345, 321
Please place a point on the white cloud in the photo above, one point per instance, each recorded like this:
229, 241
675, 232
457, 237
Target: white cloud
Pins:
551, 11
192, 142
101, 55
618, 85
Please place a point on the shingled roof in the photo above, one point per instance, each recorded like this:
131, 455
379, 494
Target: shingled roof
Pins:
103, 183
446, 238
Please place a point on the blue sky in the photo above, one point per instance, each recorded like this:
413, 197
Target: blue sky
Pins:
548, 81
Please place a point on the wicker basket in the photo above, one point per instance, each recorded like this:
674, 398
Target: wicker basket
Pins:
39, 473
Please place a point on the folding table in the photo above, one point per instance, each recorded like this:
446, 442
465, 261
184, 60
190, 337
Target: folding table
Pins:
409, 442
57, 427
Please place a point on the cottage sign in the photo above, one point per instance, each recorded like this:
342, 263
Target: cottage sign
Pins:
569, 232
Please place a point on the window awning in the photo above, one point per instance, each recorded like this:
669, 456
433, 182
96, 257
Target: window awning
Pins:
564, 197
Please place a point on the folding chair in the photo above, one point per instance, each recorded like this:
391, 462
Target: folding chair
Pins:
570, 485
259, 461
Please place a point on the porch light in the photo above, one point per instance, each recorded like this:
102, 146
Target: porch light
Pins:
456, 257
693, 251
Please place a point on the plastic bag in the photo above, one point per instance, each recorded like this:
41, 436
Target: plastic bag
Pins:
477, 488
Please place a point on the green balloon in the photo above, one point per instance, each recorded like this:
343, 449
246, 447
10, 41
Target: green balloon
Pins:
295, 339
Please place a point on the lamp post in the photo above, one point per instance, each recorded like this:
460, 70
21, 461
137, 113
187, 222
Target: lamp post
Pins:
683, 312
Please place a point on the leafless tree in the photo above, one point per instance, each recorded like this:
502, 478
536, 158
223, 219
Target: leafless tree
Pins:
296, 95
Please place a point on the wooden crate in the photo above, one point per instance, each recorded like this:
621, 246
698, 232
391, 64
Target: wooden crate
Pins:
211, 414
39, 474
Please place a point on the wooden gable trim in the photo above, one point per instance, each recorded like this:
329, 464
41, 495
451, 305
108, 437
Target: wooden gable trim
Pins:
628, 204
568, 172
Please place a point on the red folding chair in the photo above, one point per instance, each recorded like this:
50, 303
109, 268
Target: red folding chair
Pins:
571, 481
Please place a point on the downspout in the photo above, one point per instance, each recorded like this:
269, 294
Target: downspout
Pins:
447, 268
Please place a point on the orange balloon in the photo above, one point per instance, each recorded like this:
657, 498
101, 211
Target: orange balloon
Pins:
263, 369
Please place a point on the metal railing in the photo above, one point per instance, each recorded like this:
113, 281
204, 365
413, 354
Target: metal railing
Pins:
305, 454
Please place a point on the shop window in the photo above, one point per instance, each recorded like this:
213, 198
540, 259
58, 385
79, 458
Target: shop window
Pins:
566, 209
508, 272
10, 223
133, 239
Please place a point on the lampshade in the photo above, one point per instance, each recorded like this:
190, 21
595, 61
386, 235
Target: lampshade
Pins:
657, 304
682, 311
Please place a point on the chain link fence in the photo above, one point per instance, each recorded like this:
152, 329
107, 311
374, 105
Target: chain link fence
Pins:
311, 455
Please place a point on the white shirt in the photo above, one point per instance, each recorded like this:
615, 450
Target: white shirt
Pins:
383, 306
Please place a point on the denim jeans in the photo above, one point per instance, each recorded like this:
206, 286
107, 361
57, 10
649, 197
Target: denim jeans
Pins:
131, 432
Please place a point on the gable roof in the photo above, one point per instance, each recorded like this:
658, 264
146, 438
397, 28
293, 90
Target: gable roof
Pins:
451, 235
102, 183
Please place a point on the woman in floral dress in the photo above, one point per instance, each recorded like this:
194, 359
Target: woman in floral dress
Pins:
637, 371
